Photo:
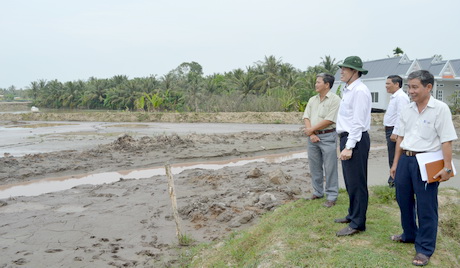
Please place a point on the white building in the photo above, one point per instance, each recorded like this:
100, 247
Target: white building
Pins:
446, 74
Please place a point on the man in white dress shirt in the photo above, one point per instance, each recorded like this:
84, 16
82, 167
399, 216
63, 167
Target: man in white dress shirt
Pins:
398, 101
425, 126
353, 123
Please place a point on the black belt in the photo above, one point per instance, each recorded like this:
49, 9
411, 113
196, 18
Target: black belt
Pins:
411, 153
389, 128
345, 134
317, 132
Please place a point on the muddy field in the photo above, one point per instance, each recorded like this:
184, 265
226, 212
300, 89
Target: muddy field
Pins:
129, 223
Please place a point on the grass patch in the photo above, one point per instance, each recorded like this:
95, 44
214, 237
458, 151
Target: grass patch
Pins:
383, 194
302, 234
185, 240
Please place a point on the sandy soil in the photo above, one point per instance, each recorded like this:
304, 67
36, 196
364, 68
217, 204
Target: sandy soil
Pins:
129, 223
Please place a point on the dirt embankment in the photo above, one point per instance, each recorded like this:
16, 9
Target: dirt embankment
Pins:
123, 116
14, 106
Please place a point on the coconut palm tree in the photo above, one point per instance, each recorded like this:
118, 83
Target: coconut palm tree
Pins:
95, 93
244, 82
329, 64
397, 52
33, 91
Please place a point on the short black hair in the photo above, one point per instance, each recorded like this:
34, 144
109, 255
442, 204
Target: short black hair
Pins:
424, 76
396, 79
327, 78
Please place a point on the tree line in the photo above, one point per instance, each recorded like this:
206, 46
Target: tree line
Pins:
267, 85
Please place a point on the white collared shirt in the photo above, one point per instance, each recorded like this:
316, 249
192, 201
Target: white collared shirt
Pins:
398, 101
354, 114
426, 131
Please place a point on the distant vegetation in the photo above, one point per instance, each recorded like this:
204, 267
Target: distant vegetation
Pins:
267, 86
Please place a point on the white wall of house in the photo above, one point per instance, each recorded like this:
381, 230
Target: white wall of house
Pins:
380, 97
446, 89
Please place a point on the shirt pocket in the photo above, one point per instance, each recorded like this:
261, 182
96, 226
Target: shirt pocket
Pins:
322, 111
427, 129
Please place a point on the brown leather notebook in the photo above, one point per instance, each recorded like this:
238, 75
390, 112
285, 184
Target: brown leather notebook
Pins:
433, 168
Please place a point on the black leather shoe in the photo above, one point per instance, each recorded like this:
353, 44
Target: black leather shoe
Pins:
347, 231
342, 220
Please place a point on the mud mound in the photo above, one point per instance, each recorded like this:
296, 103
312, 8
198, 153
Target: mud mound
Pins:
173, 140
125, 143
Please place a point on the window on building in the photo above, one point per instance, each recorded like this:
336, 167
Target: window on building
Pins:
375, 96
439, 94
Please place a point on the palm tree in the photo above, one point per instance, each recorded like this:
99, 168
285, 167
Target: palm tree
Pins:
329, 64
34, 91
397, 52
244, 81
118, 79
268, 74
192, 74
53, 92
167, 81
123, 96
95, 93
214, 83
288, 75
73, 92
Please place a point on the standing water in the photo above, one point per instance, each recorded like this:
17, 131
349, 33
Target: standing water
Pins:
48, 185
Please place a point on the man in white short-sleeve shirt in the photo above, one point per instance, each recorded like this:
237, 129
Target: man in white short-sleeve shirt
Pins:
425, 126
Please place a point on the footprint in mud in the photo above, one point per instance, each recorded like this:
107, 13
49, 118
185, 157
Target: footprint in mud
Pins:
20, 261
115, 248
24, 252
53, 250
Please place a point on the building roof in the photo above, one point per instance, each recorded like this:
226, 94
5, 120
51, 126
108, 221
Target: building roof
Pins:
433, 65
456, 66
402, 66
384, 67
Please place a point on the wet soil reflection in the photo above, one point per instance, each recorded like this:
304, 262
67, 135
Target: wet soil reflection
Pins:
38, 187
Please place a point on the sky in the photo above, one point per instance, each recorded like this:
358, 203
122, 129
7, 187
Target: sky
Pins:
70, 40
